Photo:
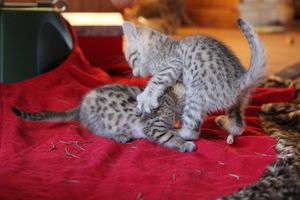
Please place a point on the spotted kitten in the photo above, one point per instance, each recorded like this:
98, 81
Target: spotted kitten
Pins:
213, 76
109, 111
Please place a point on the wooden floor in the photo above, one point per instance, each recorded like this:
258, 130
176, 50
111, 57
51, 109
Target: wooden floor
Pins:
281, 53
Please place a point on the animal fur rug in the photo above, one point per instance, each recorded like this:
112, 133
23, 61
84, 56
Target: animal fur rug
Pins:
281, 180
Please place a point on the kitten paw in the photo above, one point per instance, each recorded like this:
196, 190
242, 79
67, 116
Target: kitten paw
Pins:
188, 146
230, 139
224, 123
121, 138
145, 103
188, 134
221, 120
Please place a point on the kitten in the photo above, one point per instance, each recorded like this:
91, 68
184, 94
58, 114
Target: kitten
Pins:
213, 76
109, 111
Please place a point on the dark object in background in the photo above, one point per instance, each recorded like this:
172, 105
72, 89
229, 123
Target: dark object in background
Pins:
291, 72
33, 39
297, 8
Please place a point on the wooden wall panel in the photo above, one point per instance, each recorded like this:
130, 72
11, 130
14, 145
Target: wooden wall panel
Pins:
212, 3
214, 13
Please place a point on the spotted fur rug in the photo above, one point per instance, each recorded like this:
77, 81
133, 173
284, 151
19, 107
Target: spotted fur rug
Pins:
281, 180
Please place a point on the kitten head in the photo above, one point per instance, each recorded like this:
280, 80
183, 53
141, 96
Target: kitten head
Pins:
137, 48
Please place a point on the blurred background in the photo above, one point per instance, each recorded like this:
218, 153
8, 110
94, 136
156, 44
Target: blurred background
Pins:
277, 22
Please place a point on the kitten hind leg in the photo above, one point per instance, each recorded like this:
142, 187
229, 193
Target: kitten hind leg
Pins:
179, 144
233, 121
122, 138
171, 140
99, 129
230, 125
192, 119
168, 138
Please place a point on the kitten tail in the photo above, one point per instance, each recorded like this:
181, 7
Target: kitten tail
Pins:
68, 115
257, 69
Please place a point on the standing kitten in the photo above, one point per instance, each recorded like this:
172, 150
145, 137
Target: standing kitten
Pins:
213, 76
109, 111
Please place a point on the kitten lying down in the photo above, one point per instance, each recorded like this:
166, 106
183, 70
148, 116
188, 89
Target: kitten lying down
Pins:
110, 111
213, 76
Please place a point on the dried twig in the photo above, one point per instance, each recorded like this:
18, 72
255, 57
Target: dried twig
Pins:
76, 143
53, 147
235, 176
198, 171
68, 142
271, 147
67, 130
221, 163
72, 181
139, 196
70, 154
80, 147
261, 154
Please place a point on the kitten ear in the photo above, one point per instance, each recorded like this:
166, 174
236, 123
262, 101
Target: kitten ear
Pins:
130, 31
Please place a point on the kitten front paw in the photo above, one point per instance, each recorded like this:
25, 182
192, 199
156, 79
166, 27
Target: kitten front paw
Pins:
146, 103
188, 134
230, 139
188, 146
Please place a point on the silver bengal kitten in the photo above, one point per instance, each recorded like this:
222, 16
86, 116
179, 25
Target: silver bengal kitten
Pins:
110, 111
212, 75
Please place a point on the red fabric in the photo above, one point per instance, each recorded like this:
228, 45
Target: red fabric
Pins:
105, 52
29, 169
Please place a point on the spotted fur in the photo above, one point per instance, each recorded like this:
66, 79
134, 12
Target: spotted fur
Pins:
281, 180
110, 111
213, 76
162, 15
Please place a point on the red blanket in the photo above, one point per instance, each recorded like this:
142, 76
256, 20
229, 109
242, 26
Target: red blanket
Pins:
38, 160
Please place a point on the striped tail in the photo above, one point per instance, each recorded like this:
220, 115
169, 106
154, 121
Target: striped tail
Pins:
68, 115
257, 69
